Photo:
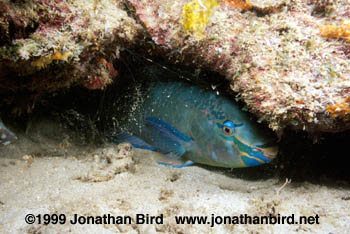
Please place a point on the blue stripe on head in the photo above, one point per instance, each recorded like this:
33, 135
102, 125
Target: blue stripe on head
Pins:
254, 158
250, 162
249, 155
259, 155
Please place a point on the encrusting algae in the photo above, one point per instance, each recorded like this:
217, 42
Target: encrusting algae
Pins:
334, 31
46, 60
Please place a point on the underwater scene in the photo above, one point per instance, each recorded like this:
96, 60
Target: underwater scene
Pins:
191, 116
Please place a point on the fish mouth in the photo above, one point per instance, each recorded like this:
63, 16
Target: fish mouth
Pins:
255, 154
269, 152
258, 156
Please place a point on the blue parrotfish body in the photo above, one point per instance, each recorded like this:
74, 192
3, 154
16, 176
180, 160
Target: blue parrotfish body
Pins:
6, 136
185, 121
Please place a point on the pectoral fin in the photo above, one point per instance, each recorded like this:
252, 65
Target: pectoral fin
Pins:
167, 139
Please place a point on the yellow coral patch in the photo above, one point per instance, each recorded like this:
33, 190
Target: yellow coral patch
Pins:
46, 60
341, 109
239, 4
334, 31
195, 16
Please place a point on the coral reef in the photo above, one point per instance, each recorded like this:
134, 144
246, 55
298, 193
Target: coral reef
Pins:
288, 61
50, 45
273, 53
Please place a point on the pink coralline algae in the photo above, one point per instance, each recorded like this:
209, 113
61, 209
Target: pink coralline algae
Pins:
103, 75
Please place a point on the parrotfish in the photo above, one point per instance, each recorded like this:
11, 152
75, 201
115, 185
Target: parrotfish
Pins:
6, 136
188, 122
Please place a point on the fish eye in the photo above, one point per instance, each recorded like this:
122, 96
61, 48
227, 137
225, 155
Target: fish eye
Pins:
227, 131
228, 128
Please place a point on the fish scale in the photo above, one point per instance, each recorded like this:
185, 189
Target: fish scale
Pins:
199, 126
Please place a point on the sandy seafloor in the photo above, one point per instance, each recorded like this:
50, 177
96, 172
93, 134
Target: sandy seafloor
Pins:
45, 172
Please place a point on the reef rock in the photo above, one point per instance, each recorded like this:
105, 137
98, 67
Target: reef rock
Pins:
288, 61
46, 46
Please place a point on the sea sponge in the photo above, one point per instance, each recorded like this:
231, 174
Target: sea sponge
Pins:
334, 31
195, 16
46, 60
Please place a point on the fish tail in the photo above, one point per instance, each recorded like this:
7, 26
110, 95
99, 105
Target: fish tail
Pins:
6, 136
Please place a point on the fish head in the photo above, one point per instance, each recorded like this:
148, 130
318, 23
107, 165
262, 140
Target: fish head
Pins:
245, 143
235, 139
6, 136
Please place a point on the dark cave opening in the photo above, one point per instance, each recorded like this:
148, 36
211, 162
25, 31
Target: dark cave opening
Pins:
89, 114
